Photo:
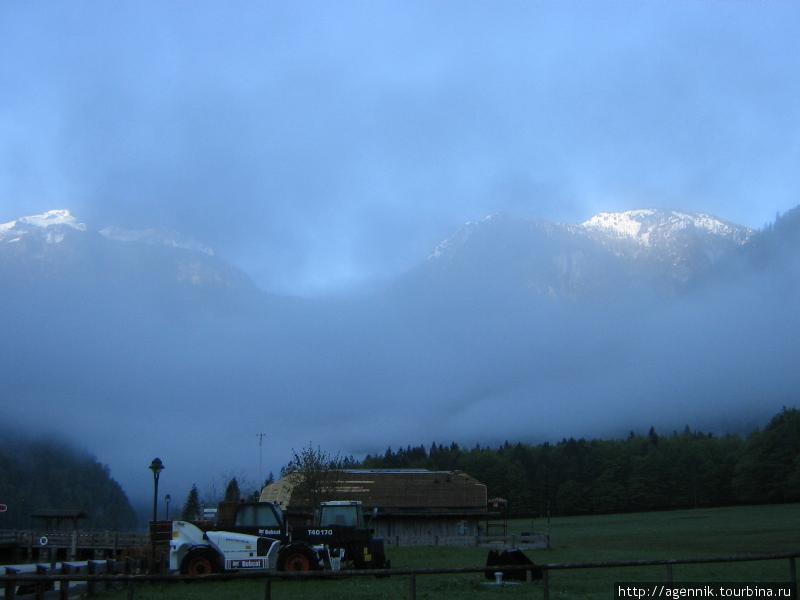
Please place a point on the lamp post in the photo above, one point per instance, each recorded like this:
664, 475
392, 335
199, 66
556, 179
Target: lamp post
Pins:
156, 467
167, 499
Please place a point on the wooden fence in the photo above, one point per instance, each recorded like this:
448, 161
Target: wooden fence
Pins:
40, 584
29, 542
49, 582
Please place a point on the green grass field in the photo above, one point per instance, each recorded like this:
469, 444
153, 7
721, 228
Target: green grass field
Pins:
658, 535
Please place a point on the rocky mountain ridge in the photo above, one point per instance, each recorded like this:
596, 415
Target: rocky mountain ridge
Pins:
606, 255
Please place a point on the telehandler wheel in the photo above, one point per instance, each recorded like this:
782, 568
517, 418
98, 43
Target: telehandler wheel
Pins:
298, 559
199, 564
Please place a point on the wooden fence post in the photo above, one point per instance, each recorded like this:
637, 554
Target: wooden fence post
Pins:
412, 588
268, 589
669, 573
91, 584
40, 585
131, 587
110, 569
63, 584
546, 584
793, 573
11, 585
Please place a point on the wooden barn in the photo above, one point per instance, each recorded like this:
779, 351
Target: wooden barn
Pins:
405, 506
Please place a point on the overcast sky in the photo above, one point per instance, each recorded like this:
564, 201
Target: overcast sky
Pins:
322, 144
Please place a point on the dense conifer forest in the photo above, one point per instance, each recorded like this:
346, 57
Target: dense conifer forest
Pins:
639, 473
44, 473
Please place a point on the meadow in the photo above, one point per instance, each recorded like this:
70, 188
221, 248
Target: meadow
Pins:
696, 533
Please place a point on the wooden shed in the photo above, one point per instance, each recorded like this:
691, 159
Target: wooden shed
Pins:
405, 506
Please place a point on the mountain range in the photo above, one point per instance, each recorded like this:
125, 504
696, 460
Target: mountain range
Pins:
145, 342
663, 251
608, 255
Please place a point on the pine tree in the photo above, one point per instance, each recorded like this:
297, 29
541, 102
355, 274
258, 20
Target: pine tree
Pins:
232, 492
191, 509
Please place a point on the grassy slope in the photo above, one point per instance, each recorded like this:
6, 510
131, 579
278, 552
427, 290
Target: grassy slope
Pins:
674, 534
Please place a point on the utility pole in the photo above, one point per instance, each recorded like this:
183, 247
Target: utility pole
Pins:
260, 437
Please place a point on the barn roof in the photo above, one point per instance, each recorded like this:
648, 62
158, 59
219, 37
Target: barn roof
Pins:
392, 490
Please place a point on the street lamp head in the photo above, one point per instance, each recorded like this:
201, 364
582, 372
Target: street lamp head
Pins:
156, 466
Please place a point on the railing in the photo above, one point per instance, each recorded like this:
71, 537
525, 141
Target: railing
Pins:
84, 539
41, 581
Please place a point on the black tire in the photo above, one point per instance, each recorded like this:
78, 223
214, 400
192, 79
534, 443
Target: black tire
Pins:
298, 559
199, 563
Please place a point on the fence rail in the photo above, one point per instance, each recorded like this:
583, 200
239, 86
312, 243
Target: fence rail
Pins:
525, 542
102, 539
44, 579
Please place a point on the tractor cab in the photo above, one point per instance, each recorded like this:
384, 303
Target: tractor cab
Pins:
340, 513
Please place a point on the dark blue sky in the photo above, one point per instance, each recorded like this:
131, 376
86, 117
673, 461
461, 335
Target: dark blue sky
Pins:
322, 144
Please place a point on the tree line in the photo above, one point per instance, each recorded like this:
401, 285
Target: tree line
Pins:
638, 473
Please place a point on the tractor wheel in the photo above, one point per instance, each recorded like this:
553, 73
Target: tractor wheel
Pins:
298, 558
199, 564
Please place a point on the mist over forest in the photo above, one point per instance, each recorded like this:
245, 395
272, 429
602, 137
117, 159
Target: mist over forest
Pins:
518, 332
228, 232
44, 472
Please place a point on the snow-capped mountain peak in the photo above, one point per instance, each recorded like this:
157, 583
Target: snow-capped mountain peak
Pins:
624, 224
52, 226
56, 246
54, 217
50, 223
643, 225
647, 248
